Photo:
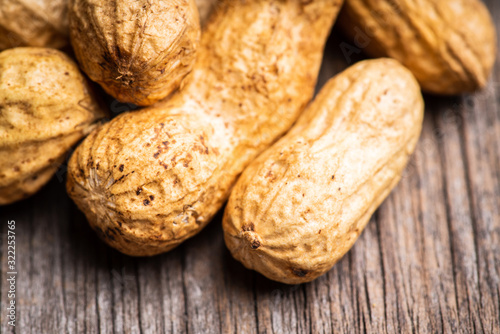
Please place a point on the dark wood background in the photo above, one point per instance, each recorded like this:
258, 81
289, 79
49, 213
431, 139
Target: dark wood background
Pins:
429, 261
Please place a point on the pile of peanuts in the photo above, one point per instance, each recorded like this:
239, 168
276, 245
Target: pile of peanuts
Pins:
225, 115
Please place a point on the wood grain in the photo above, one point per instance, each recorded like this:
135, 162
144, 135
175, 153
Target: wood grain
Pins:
428, 262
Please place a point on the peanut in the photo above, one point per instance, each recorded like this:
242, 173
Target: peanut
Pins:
138, 51
45, 108
40, 23
449, 45
301, 205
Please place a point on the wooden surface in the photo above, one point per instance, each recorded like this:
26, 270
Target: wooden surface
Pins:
429, 261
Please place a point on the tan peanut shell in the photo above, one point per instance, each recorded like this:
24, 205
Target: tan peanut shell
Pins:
139, 51
149, 180
449, 45
45, 108
299, 207
40, 23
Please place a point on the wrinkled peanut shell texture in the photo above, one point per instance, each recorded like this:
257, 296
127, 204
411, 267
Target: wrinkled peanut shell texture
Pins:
45, 108
41, 23
449, 45
139, 51
301, 205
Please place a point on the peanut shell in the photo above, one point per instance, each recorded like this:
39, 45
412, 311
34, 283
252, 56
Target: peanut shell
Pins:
139, 51
301, 205
449, 45
45, 108
40, 23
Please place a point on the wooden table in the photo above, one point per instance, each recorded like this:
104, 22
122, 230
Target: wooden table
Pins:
429, 261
